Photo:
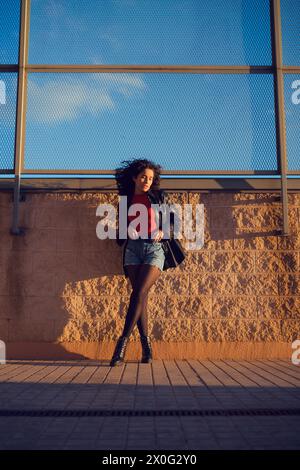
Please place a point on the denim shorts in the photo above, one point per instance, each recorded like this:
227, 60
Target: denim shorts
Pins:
141, 251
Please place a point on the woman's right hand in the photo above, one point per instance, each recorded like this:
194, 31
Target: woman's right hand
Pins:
132, 233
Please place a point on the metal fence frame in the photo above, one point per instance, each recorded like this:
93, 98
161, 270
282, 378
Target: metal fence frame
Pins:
276, 69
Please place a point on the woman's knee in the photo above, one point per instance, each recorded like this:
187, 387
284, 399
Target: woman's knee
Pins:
140, 293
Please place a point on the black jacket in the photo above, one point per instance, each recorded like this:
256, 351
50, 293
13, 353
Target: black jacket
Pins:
156, 196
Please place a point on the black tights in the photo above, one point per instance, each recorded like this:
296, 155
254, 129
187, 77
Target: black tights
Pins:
142, 278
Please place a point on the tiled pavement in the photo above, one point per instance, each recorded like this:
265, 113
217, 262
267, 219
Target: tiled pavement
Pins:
199, 385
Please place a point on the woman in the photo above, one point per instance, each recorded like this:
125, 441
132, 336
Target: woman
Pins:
143, 259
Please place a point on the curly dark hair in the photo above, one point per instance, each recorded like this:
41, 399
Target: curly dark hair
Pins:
132, 168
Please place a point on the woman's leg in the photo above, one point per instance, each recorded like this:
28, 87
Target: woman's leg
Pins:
142, 323
147, 276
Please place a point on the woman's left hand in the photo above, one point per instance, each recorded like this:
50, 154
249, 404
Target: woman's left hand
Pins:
159, 236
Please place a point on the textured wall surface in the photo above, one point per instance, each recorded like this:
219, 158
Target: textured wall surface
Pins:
63, 292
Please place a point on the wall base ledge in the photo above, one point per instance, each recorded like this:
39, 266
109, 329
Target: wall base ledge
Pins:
161, 350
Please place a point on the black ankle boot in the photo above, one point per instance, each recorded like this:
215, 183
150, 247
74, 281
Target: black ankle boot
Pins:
119, 353
147, 351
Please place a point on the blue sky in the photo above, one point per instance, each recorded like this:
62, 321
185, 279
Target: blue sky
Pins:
190, 121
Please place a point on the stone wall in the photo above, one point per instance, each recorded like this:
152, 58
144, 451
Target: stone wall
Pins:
63, 292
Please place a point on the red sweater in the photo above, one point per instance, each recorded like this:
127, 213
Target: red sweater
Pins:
143, 199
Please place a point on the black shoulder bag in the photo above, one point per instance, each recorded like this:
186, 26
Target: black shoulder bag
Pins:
174, 251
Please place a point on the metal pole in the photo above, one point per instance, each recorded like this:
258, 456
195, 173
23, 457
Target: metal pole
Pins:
21, 111
280, 114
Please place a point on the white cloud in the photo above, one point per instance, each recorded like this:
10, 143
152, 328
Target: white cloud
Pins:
127, 84
55, 101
